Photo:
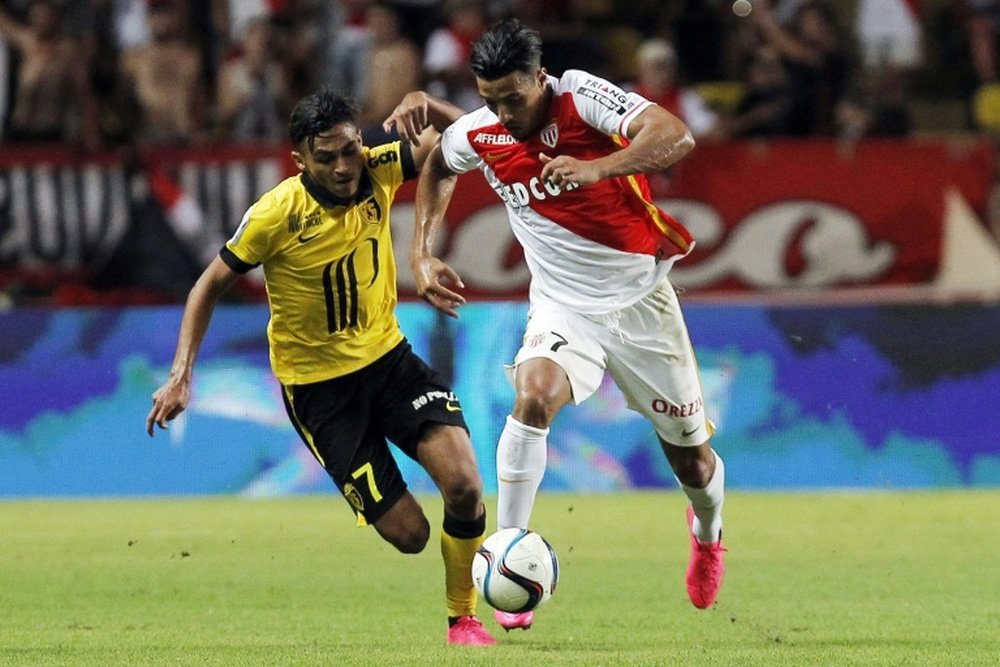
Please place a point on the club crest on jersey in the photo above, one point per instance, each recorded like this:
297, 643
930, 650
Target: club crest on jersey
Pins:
354, 497
534, 340
369, 211
550, 135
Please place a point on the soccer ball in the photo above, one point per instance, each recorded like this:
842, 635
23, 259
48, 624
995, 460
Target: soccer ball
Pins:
515, 570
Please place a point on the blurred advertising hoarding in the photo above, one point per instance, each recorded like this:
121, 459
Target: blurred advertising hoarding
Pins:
865, 396
766, 216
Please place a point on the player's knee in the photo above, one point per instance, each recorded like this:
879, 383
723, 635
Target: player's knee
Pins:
463, 493
536, 407
542, 388
411, 539
405, 527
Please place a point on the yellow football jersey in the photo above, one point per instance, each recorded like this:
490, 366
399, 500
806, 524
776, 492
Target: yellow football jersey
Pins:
329, 269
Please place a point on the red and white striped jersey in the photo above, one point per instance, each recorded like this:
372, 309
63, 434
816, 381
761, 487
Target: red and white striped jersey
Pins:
594, 248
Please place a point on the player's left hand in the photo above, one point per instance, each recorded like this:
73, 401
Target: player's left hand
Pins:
168, 402
432, 277
410, 117
563, 170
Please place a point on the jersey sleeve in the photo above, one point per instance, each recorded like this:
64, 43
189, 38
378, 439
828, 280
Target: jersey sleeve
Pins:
601, 103
456, 148
253, 241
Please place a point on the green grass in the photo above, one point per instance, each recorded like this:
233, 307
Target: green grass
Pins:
812, 579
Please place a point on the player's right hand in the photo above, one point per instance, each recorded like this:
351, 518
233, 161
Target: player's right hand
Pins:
431, 275
410, 117
168, 402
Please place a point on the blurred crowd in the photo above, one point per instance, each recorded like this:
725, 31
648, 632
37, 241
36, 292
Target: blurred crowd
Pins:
98, 74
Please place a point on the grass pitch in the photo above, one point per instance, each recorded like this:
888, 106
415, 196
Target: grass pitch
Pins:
812, 579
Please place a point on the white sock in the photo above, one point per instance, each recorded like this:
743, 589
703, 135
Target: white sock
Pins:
521, 456
707, 505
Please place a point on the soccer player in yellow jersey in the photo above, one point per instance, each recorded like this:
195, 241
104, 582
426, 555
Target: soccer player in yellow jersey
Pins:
350, 379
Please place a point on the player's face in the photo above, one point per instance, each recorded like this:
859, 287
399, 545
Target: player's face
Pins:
335, 160
519, 100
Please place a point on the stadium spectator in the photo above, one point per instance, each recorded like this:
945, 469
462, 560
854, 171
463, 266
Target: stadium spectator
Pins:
877, 108
233, 17
889, 34
785, 10
982, 24
657, 81
349, 376
599, 253
253, 100
766, 102
343, 44
568, 42
393, 68
420, 17
446, 55
295, 44
53, 100
700, 37
816, 60
6, 70
164, 80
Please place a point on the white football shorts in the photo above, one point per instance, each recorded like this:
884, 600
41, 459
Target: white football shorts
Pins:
646, 349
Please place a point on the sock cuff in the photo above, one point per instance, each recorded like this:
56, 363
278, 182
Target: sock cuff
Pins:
524, 430
720, 471
462, 529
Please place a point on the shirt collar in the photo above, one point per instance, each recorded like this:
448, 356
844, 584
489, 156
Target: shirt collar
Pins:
327, 199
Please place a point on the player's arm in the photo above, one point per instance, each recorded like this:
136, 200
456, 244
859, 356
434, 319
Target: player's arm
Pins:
431, 275
657, 139
419, 111
173, 396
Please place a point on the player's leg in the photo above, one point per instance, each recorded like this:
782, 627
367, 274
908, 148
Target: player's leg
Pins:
652, 361
541, 390
404, 525
425, 420
704, 484
701, 474
559, 361
333, 418
446, 453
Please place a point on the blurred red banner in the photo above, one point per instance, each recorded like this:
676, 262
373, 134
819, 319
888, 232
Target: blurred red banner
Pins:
767, 215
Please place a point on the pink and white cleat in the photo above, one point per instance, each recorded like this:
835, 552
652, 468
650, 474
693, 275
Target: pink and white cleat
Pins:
705, 569
469, 631
512, 621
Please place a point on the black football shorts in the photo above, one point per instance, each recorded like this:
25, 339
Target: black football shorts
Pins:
346, 422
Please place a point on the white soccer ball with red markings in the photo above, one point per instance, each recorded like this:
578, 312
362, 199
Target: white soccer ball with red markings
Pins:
515, 570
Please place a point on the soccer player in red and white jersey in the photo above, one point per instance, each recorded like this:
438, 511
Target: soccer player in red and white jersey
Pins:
567, 157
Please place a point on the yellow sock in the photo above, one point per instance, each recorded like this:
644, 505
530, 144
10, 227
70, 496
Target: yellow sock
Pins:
459, 542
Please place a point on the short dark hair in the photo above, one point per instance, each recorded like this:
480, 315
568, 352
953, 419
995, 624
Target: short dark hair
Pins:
317, 113
507, 47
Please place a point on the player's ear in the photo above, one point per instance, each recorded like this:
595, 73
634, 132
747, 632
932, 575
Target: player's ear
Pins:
299, 162
543, 77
